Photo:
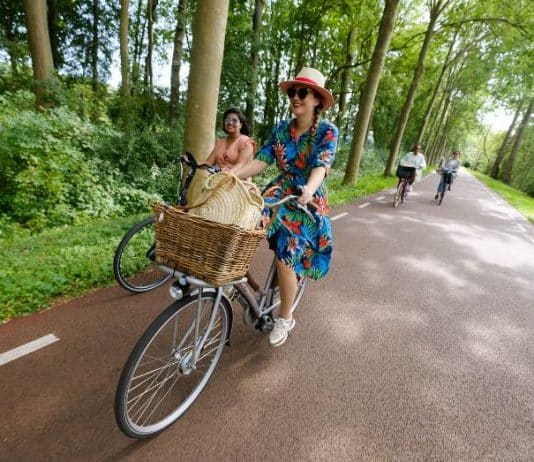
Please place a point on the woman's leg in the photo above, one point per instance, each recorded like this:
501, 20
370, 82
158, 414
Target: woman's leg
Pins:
287, 281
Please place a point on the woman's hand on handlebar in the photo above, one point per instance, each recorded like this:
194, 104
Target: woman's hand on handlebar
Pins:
305, 195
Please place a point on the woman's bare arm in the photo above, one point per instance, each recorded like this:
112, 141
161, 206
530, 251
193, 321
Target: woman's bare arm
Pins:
316, 178
245, 156
251, 169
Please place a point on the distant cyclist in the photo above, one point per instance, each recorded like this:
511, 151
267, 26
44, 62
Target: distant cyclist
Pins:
451, 166
416, 159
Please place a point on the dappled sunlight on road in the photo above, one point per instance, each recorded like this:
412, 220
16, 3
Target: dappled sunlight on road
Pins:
435, 267
500, 341
406, 318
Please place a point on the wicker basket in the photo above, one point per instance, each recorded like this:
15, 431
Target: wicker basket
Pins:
214, 252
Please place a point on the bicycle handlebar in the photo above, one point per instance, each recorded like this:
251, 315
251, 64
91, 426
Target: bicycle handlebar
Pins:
293, 198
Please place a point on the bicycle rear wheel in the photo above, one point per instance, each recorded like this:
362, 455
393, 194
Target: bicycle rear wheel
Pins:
134, 263
160, 382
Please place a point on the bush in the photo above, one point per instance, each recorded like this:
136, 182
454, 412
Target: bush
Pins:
52, 173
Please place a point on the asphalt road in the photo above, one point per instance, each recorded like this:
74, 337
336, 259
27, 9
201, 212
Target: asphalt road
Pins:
419, 345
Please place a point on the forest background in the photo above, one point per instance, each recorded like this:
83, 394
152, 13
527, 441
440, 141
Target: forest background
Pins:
79, 153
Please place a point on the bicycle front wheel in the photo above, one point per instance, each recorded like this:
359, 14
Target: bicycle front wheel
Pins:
134, 263
161, 380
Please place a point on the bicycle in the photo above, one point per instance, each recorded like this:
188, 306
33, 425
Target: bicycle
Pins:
184, 344
404, 174
134, 264
446, 180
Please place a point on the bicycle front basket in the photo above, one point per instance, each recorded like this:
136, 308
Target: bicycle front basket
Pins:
213, 252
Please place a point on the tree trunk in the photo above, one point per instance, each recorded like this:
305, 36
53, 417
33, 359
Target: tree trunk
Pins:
435, 10
52, 32
138, 43
444, 114
507, 177
504, 145
367, 96
345, 77
41, 52
177, 58
149, 83
430, 106
123, 37
209, 29
302, 50
94, 45
255, 56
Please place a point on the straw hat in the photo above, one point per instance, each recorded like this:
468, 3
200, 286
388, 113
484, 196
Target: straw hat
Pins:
312, 78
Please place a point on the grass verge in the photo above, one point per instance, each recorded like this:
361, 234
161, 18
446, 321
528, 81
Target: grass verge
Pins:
68, 262
521, 201
64, 262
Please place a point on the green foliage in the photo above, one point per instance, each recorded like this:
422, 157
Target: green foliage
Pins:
339, 194
51, 172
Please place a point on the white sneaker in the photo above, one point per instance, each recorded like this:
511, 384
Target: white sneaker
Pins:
281, 329
410, 188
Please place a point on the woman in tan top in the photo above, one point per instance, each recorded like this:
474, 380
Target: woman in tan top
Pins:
236, 149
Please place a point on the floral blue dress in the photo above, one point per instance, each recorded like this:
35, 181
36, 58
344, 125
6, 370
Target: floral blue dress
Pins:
296, 239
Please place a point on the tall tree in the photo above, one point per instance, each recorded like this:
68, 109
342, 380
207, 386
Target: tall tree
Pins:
149, 74
437, 86
504, 145
94, 45
368, 94
41, 52
123, 38
436, 8
507, 177
204, 78
53, 15
345, 76
138, 39
177, 53
255, 56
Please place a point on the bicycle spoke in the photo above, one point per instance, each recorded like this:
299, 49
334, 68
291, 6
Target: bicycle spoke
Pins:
139, 414
147, 390
161, 400
157, 388
152, 372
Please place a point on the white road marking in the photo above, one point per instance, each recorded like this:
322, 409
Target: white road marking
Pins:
27, 348
380, 198
341, 215
364, 205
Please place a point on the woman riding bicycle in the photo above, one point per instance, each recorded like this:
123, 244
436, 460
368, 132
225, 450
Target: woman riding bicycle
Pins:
416, 159
303, 149
450, 166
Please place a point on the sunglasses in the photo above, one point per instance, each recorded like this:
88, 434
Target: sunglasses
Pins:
301, 92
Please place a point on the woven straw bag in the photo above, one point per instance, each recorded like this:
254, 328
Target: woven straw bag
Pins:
227, 200
197, 185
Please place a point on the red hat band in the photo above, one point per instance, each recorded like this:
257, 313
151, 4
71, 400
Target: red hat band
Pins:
306, 80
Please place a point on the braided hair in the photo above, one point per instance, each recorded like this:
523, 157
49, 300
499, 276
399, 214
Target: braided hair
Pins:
315, 125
